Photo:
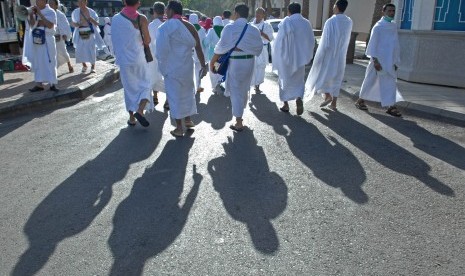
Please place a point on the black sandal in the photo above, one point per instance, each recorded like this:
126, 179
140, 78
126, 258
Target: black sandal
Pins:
36, 89
393, 111
141, 119
361, 105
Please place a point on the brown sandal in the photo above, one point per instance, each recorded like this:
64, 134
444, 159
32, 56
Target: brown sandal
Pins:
393, 111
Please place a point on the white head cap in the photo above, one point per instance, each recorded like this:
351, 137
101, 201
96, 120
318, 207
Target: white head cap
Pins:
107, 20
193, 18
217, 21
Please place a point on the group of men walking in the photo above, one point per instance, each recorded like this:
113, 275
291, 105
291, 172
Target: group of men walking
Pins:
170, 54
46, 33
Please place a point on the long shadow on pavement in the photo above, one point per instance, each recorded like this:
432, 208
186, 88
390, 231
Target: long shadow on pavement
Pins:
72, 206
422, 139
250, 192
151, 217
329, 160
381, 149
217, 111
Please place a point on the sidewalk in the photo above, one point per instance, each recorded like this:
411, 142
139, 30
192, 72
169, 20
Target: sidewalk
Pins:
444, 101
15, 95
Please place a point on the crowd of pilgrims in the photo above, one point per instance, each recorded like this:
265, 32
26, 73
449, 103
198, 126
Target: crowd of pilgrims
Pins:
172, 53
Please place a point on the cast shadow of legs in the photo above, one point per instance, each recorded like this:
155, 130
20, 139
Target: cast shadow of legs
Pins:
217, 111
250, 192
152, 216
422, 139
381, 149
329, 160
72, 206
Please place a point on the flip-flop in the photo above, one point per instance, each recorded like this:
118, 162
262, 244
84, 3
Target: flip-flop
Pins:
285, 110
131, 123
176, 133
166, 106
54, 88
333, 108
361, 106
300, 106
235, 128
141, 119
36, 89
84, 68
326, 102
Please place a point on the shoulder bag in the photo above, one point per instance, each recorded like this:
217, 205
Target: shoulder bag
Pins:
222, 64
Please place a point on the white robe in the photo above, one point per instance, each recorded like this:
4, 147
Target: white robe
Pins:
43, 57
130, 57
380, 86
293, 49
107, 37
158, 84
174, 54
239, 74
209, 44
263, 59
63, 29
329, 64
86, 49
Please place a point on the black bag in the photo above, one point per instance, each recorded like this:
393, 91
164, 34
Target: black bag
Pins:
38, 36
221, 65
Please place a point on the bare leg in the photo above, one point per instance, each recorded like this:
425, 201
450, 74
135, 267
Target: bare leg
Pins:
84, 67
92, 68
70, 67
142, 105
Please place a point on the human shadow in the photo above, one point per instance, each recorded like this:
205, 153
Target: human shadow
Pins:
434, 145
151, 217
216, 112
250, 192
329, 160
381, 149
72, 206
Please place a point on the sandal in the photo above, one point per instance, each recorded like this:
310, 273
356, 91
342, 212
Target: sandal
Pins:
36, 89
177, 133
54, 88
393, 111
155, 100
332, 107
300, 106
131, 123
361, 105
284, 109
326, 102
166, 106
189, 124
141, 119
235, 128
84, 68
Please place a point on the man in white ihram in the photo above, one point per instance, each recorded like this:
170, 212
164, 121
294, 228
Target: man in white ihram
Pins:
62, 34
329, 63
293, 49
380, 77
175, 40
43, 54
266, 31
241, 63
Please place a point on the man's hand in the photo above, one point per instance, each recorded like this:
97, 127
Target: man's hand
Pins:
377, 65
265, 35
395, 67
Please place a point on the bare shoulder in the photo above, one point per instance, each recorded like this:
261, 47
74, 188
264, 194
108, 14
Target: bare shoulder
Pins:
143, 19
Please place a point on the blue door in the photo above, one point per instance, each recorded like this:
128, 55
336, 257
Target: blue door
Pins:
450, 15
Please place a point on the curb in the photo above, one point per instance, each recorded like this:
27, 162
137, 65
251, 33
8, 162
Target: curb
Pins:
78, 92
446, 114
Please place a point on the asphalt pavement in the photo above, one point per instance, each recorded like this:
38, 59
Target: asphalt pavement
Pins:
325, 193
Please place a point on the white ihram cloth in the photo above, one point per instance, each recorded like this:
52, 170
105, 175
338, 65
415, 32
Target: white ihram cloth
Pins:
292, 50
209, 44
43, 58
380, 86
194, 19
174, 54
239, 74
330, 59
158, 84
63, 29
107, 37
263, 59
86, 49
130, 57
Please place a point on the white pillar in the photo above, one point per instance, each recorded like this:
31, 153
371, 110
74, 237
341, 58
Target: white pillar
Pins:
423, 15
315, 13
325, 14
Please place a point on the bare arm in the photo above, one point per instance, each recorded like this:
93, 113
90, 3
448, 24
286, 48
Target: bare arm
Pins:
43, 22
144, 25
198, 46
